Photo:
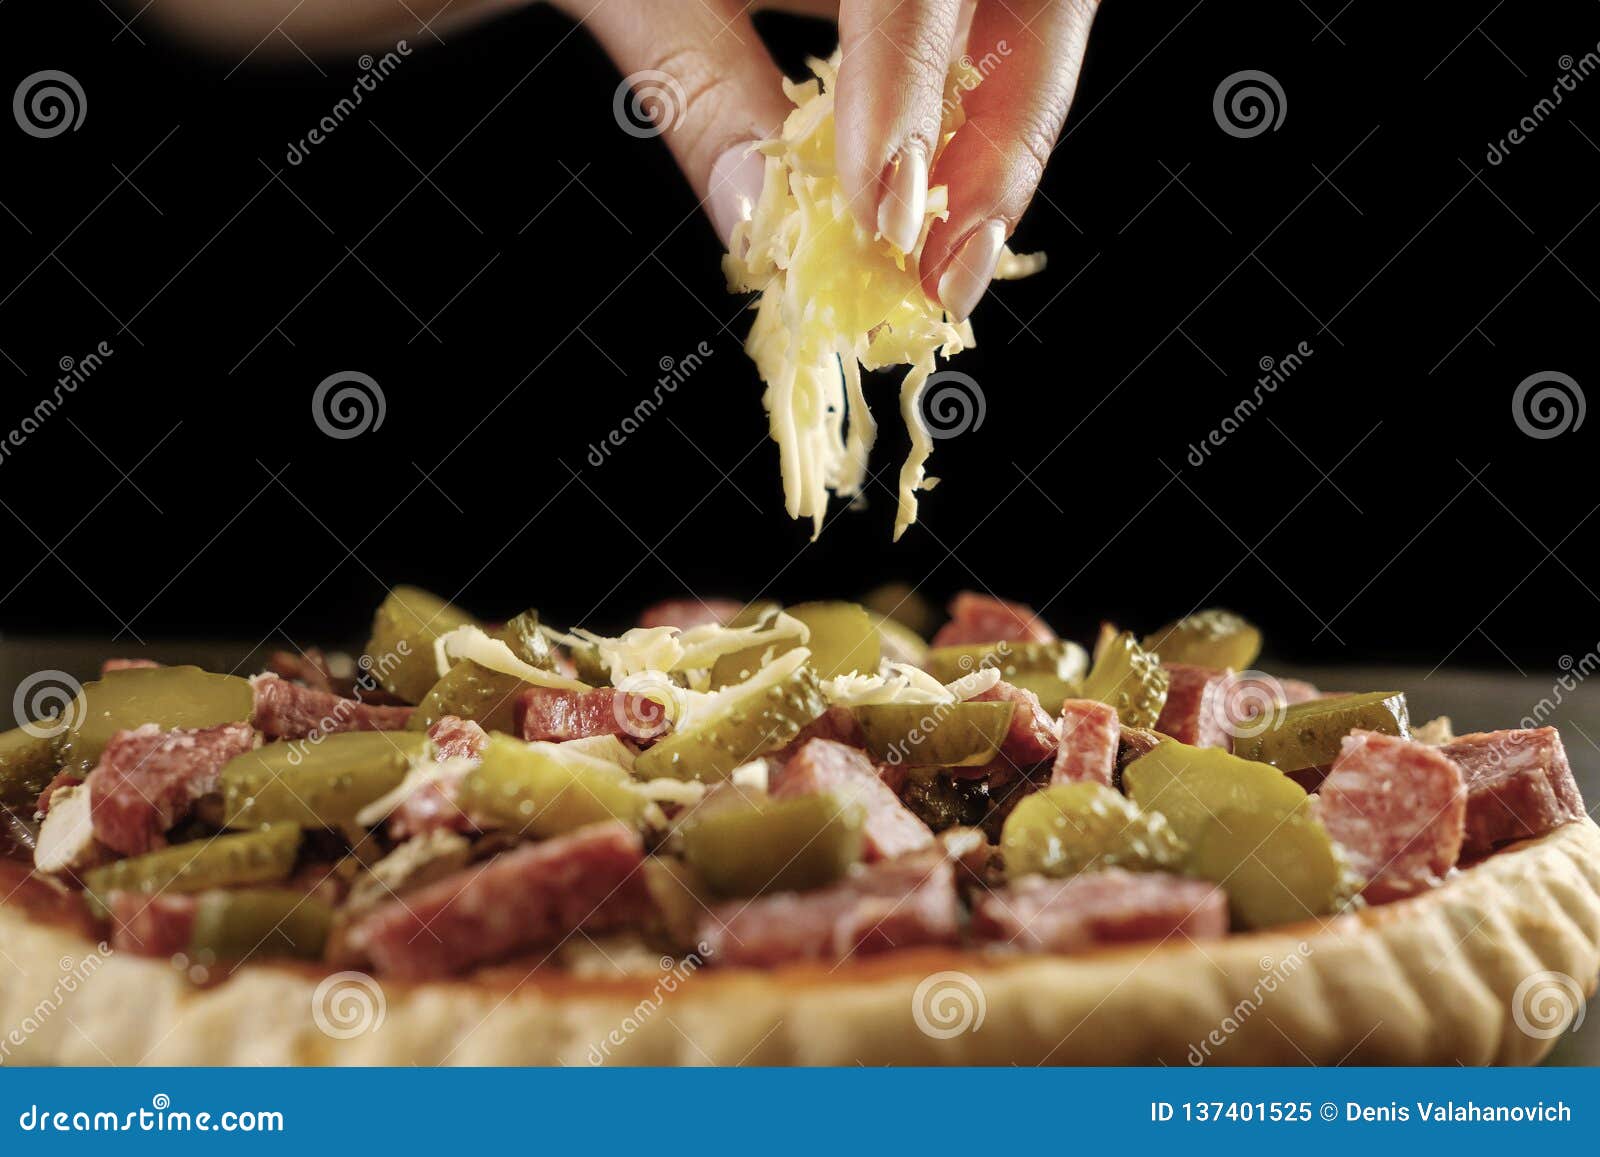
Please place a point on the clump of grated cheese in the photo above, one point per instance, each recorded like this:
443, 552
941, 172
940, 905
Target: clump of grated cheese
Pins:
834, 299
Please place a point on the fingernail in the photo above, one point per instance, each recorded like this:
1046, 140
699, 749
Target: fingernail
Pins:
970, 270
736, 179
905, 198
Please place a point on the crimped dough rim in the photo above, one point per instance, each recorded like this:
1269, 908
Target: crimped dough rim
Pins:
1488, 968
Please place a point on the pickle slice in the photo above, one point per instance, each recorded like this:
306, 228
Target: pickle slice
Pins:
1191, 785
166, 696
261, 857
1052, 671
27, 764
842, 640
1129, 678
1210, 638
679, 896
762, 714
471, 691
1309, 734
934, 734
898, 642
744, 848
533, 791
319, 785
401, 647
1063, 830
239, 925
1277, 866
527, 641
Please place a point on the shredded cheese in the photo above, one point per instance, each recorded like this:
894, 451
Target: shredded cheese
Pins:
836, 298
903, 683
473, 643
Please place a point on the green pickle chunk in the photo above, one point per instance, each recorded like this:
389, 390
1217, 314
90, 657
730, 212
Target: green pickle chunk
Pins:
530, 790
1210, 638
744, 848
319, 785
471, 691
934, 734
843, 640
166, 696
1310, 734
27, 763
239, 925
1190, 785
679, 895
401, 645
1052, 671
1129, 678
260, 857
1064, 830
1277, 866
760, 715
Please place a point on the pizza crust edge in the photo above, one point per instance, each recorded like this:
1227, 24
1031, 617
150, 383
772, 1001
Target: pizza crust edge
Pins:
1438, 979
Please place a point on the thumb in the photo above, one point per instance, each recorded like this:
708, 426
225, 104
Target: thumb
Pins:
700, 78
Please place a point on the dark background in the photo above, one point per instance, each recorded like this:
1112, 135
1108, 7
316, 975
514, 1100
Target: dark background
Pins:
483, 240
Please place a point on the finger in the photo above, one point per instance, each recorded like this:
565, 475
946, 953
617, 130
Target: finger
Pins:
895, 55
701, 74
1029, 54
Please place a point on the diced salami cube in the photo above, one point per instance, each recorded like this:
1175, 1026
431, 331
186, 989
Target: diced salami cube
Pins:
550, 715
111, 665
533, 896
1298, 691
823, 765
1195, 712
148, 779
309, 667
432, 807
1398, 808
1519, 785
146, 925
687, 613
1112, 906
900, 903
1089, 737
1032, 737
285, 710
976, 618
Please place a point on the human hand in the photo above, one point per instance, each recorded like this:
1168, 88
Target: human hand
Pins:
895, 57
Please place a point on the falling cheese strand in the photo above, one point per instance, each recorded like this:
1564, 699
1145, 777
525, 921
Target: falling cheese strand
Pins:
834, 299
